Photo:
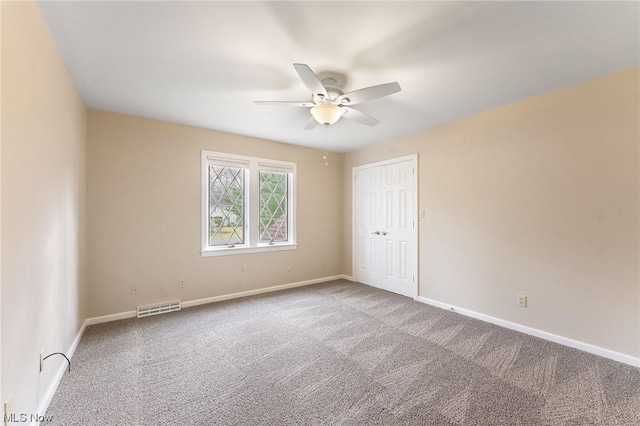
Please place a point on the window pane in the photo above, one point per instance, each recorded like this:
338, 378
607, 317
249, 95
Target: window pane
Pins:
273, 207
226, 205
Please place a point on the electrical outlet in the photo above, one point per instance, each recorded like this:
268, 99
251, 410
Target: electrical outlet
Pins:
7, 409
182, 284
324, 264
289, 268
244, 267
134, 289
522, 301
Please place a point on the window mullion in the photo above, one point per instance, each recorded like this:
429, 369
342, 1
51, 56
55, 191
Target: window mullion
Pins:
254, 215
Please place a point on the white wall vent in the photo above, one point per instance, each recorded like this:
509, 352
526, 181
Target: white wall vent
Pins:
145, 311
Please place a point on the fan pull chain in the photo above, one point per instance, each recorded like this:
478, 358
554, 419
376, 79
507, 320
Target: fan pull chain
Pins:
325, 156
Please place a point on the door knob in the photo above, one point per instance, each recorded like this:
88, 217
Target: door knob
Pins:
384, 232
375, 233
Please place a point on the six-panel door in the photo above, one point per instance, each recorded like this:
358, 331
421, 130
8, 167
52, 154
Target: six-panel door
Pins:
385, 227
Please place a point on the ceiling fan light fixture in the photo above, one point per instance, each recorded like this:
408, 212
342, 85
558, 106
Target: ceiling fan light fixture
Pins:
326, 113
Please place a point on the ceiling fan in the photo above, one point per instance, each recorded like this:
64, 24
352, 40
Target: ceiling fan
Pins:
329, 103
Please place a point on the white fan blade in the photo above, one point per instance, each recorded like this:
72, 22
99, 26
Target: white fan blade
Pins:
311, 124
310, 79
369, 93
285, 103
359, 116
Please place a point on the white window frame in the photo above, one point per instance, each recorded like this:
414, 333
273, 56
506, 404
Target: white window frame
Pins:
252, 166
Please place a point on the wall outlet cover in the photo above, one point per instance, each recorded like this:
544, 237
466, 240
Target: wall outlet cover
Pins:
522, 301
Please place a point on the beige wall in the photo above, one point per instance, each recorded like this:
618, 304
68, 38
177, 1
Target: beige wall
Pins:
539, 198
43, 213
144, 206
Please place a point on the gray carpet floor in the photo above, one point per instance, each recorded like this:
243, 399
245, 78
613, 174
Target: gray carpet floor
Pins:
336, 353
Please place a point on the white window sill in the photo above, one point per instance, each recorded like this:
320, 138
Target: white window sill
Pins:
225, 251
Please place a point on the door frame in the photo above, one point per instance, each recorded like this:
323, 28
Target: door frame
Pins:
416, 257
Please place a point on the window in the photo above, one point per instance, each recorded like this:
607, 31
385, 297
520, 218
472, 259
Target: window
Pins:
273, 207
247, 204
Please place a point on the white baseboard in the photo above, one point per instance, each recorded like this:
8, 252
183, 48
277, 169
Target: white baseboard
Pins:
51, 390
189, 303
112, 317
596, 350
258, 291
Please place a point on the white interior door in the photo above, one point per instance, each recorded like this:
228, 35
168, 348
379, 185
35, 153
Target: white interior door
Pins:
367, 226
385, 226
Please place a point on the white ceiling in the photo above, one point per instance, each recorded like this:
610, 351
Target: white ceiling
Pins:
204, 63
